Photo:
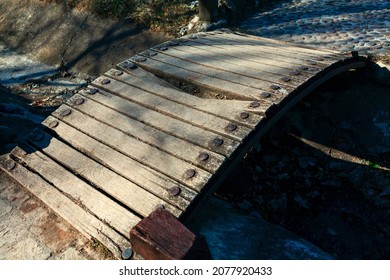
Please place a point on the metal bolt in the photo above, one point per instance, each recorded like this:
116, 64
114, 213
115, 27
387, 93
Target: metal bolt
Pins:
152, 53
163, 48
286, 79
189, 173
130, 65
295, 73
231, 127
303, 67
174, 191
275, 87
10, 164
127, 253
218, 142
79, 101
244, 115
174, 43
105, 81
118, 73
93, 90
203, 156
141, 59
255, 104
265, 95
53, 124
65, 113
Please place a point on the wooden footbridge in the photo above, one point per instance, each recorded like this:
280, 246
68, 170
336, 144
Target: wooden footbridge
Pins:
164, 129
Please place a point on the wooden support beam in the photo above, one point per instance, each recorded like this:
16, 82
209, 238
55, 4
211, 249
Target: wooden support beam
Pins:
160, 236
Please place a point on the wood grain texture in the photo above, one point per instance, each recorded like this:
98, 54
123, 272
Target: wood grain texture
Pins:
83, 221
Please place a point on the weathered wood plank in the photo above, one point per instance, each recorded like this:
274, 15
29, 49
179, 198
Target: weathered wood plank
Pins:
150, 180
261, 75
80, 219
135, 198
221, 70
172, 109
231, 113
213, 84
160, 140
99, 204
177, 128
135, 149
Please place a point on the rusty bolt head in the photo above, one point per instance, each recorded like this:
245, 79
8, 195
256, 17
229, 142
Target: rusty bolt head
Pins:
231, 127
53, 124
275, 87
10, 164
163, 48
130, 65
203, 156
65, 113
93, 90
295, 73
286, 79
127, 253
141, 59
174, 191
254, 104
105, 81
118, 73
244, 115
218, 142
79, 101
265, 95
189, 173
303, 67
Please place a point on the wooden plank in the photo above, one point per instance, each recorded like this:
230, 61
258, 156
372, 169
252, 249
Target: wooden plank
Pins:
150, 180
204, 68
135, 149
94, 201
213, 84
80, 219
177, 128
263, 74
154, 137
172, 109
135, 198
231, 113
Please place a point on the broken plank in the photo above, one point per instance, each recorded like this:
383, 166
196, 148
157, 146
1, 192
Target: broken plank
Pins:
80, 219
173, 109
154, 137
177, 128
150, 180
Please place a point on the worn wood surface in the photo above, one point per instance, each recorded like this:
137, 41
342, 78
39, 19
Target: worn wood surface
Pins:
134, 141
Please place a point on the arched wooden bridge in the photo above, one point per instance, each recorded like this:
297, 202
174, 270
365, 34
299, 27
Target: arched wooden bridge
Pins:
132, 142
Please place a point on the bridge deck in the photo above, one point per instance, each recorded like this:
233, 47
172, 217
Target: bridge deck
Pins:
132, 142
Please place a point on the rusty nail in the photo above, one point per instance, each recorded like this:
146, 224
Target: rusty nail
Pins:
93, 90
275, 87
174, 191
10, 164
118, 73
105, 81
286, 79
303, 67
130, 65
79, 101
231, 127
152, 53
218, 141
203, 156
255, 104
244, 115
65, 113
190, 173
141, 59
163, 48
295, 73
53, 124
127, 253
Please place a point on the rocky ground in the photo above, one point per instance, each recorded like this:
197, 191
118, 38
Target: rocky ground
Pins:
316, 187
